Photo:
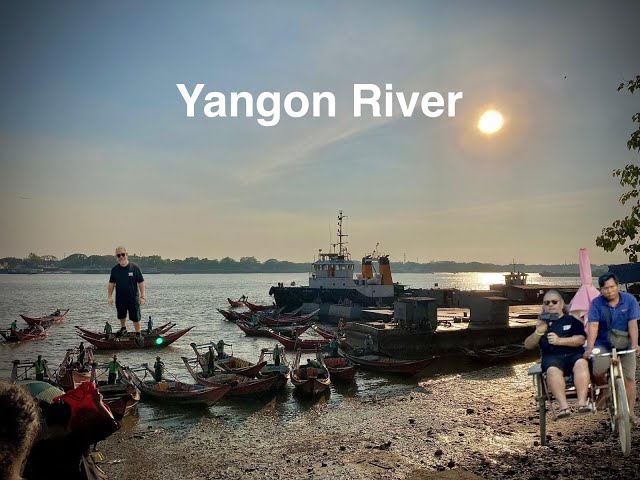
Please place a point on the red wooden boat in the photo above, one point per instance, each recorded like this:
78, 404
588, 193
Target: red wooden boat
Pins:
310, 380
381, 363
232, 316
177, 392
154, 332
53, 318
259, 308
150, 341
24, 334
240, 386
286, 319
340, 369
323, 332
236, 303
229, 363
262, 331
296, 343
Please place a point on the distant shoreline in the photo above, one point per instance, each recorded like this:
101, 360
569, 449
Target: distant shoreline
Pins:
206, 272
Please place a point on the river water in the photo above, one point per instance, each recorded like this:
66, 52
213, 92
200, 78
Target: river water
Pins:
191, 300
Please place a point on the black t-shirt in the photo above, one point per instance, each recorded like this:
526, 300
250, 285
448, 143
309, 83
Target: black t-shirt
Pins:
565, 326
126, 280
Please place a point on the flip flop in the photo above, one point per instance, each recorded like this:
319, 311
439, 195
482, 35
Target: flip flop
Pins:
584, 408
563, 413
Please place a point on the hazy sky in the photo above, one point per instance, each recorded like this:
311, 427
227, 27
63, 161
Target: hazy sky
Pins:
94, 133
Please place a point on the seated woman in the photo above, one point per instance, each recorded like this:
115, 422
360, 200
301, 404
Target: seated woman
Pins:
561, 339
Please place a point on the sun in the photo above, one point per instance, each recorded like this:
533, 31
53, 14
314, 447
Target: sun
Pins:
490, 122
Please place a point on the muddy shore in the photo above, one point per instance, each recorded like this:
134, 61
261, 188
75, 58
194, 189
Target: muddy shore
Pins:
482, 423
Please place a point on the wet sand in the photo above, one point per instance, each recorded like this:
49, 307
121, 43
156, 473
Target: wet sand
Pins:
481, 423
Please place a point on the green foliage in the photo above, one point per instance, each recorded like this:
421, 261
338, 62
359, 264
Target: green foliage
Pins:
625, 231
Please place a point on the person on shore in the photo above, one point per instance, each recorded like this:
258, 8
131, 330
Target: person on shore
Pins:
149, 325
108, 330
561, 337
20, 421
128, 282
220, 348
158, 369
41, 367
613, 323
113, 367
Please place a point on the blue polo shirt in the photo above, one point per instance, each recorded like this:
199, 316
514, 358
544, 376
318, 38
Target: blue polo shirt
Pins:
626, 310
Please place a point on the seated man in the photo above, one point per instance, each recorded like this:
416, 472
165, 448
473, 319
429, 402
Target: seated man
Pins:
561, 338
613, 322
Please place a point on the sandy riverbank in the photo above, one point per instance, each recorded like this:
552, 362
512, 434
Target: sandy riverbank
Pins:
484, 422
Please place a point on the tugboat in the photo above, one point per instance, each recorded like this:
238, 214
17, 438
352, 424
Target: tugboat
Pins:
332, 280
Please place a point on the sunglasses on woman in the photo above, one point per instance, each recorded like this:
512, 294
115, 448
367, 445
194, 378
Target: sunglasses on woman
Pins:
120, 255
547, 302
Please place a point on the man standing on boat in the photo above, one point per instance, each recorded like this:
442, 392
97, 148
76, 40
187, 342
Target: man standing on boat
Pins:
128, 282
41, 367
113, 367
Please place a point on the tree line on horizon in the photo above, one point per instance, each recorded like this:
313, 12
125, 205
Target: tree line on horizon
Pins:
79, 262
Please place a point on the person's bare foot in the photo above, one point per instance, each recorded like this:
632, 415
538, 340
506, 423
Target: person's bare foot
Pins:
634, 420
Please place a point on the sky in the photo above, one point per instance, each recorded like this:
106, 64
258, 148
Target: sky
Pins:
96, 149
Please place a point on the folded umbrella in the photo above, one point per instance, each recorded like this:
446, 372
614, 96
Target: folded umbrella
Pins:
42, 391
581, 302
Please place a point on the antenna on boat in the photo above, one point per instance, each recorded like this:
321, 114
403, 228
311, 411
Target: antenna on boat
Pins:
342, 245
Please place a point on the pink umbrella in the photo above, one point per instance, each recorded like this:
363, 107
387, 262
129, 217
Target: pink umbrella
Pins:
581, 302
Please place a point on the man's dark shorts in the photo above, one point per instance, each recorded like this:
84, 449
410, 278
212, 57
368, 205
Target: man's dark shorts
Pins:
133, 309
564, 362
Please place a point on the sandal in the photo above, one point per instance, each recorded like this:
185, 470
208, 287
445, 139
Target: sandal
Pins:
586, 408
563, 413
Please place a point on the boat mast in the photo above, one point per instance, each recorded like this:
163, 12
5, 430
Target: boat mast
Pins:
342, 249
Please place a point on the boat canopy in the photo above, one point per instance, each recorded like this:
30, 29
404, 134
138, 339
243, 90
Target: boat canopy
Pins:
626, 272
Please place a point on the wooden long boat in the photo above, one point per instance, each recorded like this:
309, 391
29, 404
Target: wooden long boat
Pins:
229, 363
22, 335
340, 368
496, 354
228, 315
295, 343
240, 386
259, 308
236, 303
151, 341
176, 392
162, 329
262, 331
53, 318
308, 380
323, 332
70, 378
283, 320
282, 371
381, 363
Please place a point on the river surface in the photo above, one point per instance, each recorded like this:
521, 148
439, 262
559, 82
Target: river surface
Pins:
191, 300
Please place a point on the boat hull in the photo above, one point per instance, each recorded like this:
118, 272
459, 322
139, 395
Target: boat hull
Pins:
294, 297
130, 343
378, 363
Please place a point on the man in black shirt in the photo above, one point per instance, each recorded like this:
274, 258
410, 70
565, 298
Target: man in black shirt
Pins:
127, 280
